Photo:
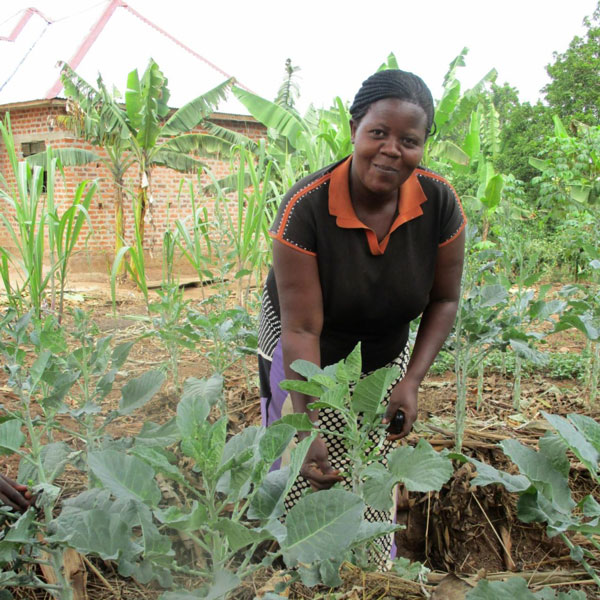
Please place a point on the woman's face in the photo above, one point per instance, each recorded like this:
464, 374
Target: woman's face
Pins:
388, 146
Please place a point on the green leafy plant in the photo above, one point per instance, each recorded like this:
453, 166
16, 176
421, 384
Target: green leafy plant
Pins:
543, 482
359, 403
227, 333
516, 587
583, 314
62, 390
38, 226
477, 326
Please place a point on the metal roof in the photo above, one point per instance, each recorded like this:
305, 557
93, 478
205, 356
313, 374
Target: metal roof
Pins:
110, 38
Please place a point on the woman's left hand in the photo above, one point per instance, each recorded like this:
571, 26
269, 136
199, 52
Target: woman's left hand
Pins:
403, 397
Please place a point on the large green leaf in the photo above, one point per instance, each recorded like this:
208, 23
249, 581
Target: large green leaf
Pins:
233, 138
488, 475
377, 487
333, 398
552, 446
198, 143
527, 352
238, 461
535, 507
133, 100
238, 536
156, 546
538, 163
125, 476
511, 589
588, 427
22, 532
420, 469
137, 392
173, 159
192, 412
267, 503
152, 434
370, 391
286, 123
269, 495
153, 95
210, 389
158, 461
491, 295
69, 157
120, 353
371, 531
305, 368
584, 451
99, 532
299, 421
195, 111
542, 474
317, 526
310, 388
275, 440
11, 436
177, 518
54, 459
449, 150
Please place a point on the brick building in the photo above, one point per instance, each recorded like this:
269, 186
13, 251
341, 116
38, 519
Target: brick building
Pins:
35, 124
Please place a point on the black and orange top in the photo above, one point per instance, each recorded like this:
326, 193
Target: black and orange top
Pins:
371, 289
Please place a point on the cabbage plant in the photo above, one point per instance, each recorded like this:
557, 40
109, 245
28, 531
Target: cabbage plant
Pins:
543, 482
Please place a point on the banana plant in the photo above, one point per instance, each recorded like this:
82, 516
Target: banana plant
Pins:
144, 131
452, 114
313, 141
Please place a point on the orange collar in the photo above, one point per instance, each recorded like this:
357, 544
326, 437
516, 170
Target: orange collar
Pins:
410, 198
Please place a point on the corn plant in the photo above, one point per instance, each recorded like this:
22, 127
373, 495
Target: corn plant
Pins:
193, 237
39, 226
543, 482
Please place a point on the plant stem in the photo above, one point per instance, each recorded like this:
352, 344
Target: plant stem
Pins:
516, 392
588, 568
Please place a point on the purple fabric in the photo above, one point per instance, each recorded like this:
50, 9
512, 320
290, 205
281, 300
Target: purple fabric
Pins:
278, 395
270, 409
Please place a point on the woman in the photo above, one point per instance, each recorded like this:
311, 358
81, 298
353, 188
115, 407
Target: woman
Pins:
361, 248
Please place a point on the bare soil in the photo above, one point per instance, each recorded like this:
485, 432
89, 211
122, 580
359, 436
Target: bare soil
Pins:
463, 530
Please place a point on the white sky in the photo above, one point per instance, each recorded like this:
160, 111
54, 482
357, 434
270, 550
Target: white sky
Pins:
338, 44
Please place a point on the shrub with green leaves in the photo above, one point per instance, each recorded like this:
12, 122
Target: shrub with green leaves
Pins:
543, 482
359, 402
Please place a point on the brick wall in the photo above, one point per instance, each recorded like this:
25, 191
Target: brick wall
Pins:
37, 121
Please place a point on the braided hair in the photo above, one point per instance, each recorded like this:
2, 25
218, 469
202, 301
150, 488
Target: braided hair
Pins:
393, 83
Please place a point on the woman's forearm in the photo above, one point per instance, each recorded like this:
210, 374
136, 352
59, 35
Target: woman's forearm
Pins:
436, 324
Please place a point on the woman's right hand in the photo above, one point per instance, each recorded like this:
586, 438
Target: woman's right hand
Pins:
317, 469
14, 494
